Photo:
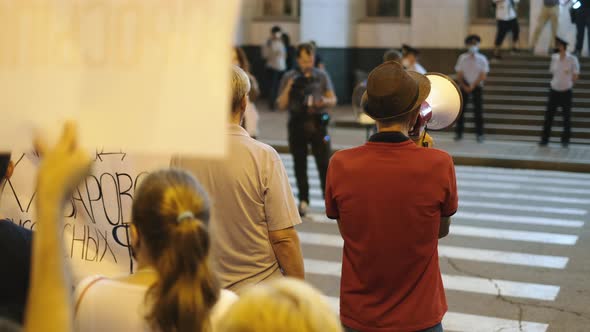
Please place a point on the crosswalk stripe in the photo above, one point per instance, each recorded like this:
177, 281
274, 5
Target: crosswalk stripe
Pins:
500, 218
480, 194
464, 184
501, 287
520, 207
521, 172
518, 219
517, 186
319, 204
459, 283
511, 175
507, 234
473, 323
527, 197
459, 322
320, 218
538, 179
463, 253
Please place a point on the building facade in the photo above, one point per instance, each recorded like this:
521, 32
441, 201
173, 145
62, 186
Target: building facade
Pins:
352, 34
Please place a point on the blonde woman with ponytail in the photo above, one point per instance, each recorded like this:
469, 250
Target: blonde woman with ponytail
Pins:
174, 288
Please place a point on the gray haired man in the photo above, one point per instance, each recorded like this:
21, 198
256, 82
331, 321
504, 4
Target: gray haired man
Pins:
254, 210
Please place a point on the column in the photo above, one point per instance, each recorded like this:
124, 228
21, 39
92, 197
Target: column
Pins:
439, 23
330, 23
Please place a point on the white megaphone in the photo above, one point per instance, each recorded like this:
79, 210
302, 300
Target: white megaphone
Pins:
440, 110
442, 107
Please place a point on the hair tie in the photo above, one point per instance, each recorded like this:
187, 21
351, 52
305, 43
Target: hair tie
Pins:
185, 215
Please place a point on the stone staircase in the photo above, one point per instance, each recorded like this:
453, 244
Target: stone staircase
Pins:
515, 99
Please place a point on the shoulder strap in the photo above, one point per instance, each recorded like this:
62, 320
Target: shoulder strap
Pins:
83, 292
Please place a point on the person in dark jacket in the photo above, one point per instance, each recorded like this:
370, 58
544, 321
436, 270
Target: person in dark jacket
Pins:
15, 259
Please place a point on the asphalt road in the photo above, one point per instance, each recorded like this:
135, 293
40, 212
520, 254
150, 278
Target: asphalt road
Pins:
517, 257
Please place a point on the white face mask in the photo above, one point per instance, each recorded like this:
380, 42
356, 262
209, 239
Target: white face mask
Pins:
473, 49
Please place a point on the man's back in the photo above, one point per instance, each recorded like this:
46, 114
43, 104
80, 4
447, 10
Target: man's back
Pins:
389, 198
250, 197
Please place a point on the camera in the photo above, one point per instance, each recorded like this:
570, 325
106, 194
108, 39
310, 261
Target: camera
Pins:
301, 97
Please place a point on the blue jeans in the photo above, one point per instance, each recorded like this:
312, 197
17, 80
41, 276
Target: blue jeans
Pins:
436, 328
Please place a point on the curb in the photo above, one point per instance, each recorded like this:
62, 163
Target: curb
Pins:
463, 160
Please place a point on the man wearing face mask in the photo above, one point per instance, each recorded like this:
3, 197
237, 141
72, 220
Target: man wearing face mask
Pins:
472, 69
410, 59
307, 92
566, 70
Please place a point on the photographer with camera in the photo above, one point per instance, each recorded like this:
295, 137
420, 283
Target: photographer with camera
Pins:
393, 200
307, 92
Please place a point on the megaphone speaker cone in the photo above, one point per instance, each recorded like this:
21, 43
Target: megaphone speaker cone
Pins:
446, 101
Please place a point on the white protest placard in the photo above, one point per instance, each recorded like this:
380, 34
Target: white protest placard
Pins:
142, 78
97, 215
139, 75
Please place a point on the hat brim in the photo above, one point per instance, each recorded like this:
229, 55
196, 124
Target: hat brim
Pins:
423, 92
423, 86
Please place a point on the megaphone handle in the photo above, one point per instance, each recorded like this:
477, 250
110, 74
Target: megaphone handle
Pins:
423, 139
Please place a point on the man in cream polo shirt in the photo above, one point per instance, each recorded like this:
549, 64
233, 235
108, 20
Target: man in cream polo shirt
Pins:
253, 207
566, 70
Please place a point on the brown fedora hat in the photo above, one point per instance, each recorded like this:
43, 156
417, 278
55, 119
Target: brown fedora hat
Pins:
392, 91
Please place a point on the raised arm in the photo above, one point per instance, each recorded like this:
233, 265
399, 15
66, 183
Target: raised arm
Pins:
49, 305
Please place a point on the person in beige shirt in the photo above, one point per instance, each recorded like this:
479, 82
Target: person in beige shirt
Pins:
253, 207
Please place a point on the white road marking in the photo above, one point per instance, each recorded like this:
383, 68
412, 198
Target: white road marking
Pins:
517, 186
459, 322
518, 219
521, 172
459, 283
314, 180
538, 179
527, 197
508, 234
463, 253
319, 204
521, 207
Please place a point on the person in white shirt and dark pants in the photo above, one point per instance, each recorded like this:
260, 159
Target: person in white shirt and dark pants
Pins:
410, 59
275, 54
565, 69
507, 20
472, 69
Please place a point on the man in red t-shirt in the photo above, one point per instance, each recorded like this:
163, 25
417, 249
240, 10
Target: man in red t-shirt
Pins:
393, 200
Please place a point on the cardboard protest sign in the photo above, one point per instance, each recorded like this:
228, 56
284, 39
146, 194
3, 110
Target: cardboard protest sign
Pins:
96, 216
142, 78
141, 75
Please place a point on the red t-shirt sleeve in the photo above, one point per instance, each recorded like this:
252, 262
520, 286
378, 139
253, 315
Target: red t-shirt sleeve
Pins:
331, 204
451, 203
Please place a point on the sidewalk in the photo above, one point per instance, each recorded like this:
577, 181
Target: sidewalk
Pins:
273, 130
